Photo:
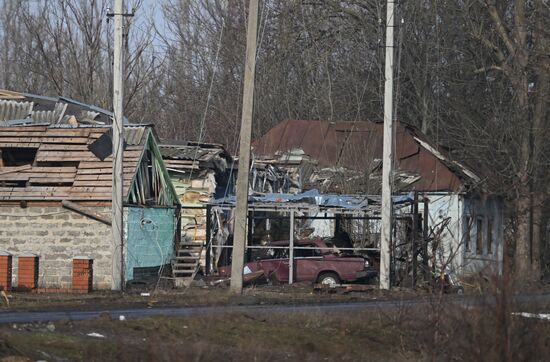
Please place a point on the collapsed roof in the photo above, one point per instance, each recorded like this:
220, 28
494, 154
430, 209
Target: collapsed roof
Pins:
189, 156
60, 162
355, 149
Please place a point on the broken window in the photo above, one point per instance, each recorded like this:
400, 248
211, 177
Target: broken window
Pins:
490, 236
17, 156
479, 236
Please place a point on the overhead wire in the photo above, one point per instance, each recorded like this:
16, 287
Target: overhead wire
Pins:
208, 97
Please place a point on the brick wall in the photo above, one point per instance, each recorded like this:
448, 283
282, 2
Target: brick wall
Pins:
5, 271
56, 235
82, 275
28, 267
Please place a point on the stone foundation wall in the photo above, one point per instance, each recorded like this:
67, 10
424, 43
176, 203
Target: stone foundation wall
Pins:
57, 235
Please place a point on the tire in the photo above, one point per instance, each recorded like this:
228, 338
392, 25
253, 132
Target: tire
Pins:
328, 278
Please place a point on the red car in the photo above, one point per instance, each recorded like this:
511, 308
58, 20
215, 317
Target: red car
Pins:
320, 262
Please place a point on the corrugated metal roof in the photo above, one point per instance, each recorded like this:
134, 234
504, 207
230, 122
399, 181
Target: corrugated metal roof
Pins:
358, 146
51, 109
12, 109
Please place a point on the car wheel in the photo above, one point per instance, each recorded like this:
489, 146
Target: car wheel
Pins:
330, 279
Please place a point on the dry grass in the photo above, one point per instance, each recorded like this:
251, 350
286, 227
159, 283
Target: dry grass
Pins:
301, 293
485, 330
436, 331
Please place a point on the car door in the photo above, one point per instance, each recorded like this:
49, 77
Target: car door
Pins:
307, 263
276, 268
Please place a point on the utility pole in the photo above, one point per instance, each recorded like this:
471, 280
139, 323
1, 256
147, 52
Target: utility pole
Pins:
117, 248
241, 209
387, 157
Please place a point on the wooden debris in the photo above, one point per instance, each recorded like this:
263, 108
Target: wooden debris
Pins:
86, 212
6, 170
343, 288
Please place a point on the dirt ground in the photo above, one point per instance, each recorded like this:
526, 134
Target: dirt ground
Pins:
195, 296
236, 337
435, 332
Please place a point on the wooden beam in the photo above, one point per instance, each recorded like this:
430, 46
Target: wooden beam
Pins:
86, 212
14, 169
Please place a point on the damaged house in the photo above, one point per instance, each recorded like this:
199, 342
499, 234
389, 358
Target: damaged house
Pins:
55, 201
200, 172
465, 224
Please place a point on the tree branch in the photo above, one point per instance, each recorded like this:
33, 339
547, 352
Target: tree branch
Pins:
501, 29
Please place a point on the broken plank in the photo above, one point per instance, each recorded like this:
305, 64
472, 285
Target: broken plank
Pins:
19, 144
97, 183
50, 180
23, 129
100, 176
45, 169
50, 132
86, 211
12, 139
94, 171
30, 174
92, 164
62, 147
85, 153
103, 171
90, 189
6, 170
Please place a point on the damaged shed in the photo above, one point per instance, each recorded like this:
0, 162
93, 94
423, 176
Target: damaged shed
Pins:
200, 172
55, 201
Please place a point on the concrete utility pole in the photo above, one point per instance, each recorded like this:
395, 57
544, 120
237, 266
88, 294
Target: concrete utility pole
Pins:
387, 157
241, 209
118, 144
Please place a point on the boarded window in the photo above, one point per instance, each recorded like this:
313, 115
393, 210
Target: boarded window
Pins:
467, 233
479, 236
490, 236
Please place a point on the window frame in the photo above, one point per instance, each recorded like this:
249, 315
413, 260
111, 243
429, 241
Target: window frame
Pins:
468, 233
490, 224
479, 236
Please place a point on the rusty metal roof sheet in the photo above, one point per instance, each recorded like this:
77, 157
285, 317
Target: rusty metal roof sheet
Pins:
358, 146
